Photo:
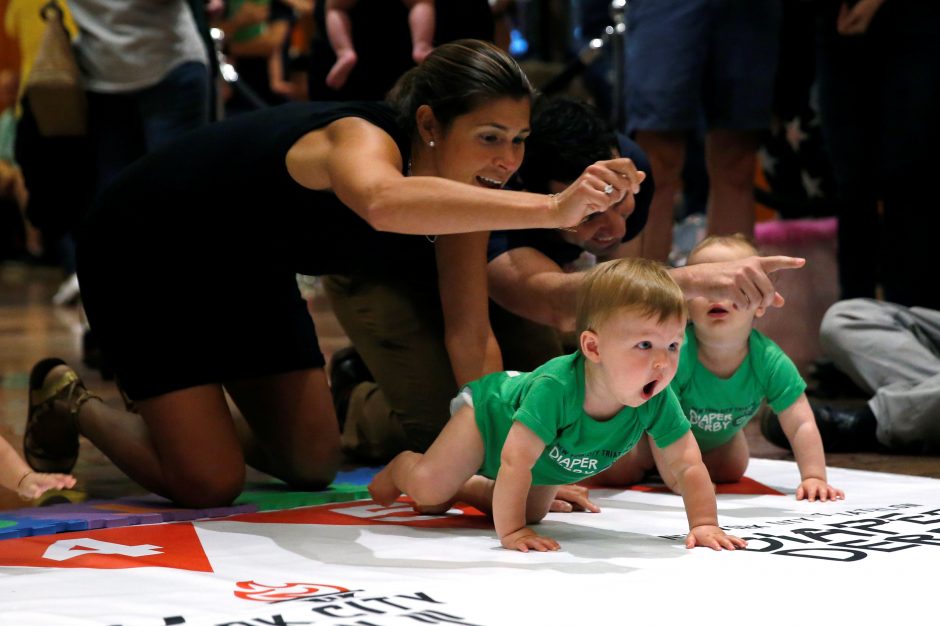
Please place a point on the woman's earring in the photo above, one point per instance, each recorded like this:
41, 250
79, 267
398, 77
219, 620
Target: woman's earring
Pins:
431, 143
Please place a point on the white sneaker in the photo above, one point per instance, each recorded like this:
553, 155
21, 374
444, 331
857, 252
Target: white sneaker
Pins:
68, 291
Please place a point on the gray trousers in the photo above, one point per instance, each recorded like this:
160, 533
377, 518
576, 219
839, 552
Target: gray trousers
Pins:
893, 352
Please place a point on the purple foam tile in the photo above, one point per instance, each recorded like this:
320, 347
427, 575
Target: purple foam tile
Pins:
96, 520
117, 522
180, 515
96, 514
225, 511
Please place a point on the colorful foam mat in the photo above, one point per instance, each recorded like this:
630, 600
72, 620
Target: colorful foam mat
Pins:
69, 511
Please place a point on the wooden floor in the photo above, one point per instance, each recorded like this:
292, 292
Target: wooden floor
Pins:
31, 328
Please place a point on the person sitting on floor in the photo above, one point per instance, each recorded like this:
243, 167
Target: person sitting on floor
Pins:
891, 352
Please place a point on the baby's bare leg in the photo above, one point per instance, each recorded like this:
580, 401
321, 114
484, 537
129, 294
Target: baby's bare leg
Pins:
383, 488
727, 462
477, 491
434, 478
539, 502
627, 470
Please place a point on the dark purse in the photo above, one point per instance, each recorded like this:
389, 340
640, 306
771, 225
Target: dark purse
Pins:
54, 85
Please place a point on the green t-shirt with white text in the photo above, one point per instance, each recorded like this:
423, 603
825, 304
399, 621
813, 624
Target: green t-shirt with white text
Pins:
550, 401
717, 407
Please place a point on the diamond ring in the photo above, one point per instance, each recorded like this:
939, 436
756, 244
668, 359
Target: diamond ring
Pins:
609, 189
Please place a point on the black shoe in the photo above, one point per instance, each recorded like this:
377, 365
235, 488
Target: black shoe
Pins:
346, 369
771, 430
846, 431
828, 381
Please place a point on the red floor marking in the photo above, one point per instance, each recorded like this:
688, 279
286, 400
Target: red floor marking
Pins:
173, 546
745, 486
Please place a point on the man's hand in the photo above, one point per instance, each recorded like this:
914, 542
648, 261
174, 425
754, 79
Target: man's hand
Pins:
602, 185
573, 498
746, 282
856, 20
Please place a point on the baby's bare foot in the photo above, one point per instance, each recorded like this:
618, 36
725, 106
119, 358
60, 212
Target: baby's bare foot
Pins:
383, 489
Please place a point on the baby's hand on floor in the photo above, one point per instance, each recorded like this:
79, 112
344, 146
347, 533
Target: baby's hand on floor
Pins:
813, 489
35, 484
713, 537
526, 539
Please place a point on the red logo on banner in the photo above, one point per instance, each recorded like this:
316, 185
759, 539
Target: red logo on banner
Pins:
250, 590
159, 545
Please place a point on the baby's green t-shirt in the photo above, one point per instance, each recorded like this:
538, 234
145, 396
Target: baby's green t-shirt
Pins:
717, 407
550, 401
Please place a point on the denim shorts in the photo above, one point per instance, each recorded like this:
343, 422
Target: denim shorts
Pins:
701, 63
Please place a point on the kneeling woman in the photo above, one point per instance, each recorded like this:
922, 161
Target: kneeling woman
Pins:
187, 268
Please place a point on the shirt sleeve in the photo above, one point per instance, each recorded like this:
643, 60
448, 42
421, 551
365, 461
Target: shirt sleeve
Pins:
668, 421
783, 383
543, 409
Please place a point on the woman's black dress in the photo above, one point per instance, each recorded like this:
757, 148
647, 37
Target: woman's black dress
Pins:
187, 262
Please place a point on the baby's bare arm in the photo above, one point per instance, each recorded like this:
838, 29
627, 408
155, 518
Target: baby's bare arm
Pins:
520, 452
799, 425
684, 460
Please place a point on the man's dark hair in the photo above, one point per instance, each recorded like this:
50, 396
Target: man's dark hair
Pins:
567, 136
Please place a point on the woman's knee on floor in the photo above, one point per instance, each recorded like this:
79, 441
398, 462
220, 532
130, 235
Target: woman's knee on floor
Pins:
206, 486
728, 469
313, 470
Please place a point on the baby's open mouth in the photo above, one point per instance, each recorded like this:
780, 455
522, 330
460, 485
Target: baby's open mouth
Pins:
717, 311
648, 389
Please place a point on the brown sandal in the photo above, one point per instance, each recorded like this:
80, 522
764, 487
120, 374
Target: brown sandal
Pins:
50, 443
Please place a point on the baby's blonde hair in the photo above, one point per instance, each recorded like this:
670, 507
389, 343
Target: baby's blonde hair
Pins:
640, 285
737, 240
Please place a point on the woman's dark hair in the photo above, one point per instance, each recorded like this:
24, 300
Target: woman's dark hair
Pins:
455, 79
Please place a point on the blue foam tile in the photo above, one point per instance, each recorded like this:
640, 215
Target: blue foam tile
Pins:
358, 476
11, 532
71, 521
34, 527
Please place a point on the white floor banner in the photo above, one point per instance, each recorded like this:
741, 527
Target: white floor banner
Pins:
870, 559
